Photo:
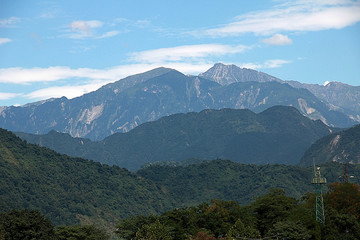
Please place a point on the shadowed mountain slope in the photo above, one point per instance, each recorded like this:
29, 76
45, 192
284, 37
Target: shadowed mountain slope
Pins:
277, 135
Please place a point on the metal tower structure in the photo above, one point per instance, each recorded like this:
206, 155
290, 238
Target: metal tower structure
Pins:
319, 181
345, 174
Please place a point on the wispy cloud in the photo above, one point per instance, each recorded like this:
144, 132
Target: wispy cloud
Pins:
4, 40
278, 39
9, 22
186, 53
109, 34
91, 79
57, 73
296, 16
87, 30
272, 63
83, 29
6, 96
68, 91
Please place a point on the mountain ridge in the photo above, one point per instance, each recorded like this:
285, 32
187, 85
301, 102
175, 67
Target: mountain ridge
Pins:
127, 103
340, 147
277, 135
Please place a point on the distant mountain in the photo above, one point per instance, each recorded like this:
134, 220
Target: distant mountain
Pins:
125, 104
277, 135
227, 74
71, 190
341, 147
339, 96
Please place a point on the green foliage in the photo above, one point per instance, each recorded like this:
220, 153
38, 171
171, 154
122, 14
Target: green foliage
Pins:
344, 198
154, 231
240, 230
272, 208
277, 135
227, 180
25, 225
77, 232
214, 218
71, 190
341, 146
273, 215
289, 230
128, 227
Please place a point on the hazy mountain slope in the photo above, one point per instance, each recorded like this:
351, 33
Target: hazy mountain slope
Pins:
260, 96
340, 147
71, 190
121, 106
335, 95
277, 135
339, 96
220, 179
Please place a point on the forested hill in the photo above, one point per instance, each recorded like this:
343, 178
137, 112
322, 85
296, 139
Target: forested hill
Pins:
342, 146
277, 135
223, 179
71, 190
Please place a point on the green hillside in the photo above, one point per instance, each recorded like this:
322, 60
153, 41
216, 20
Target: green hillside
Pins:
277, 135
343, 146
71, 190
226, 180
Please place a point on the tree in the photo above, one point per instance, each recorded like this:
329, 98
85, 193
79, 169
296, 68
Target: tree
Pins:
89, 232
127, 228
240, 230
271, 208
26, 225
345, 198
154, 231
203, 236
289, 230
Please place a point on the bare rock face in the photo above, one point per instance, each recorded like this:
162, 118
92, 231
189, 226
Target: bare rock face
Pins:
227, 74
338, 147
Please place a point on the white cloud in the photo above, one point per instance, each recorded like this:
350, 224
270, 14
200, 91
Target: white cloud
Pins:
187, 52
278, 39
6, 96
52, 74
93, 78
87, 30
9, 22
61, 91
301, 15
272, 63
4, 40
83, 29
109, 34
85, 26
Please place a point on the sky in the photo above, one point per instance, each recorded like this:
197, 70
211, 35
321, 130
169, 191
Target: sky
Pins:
71, 47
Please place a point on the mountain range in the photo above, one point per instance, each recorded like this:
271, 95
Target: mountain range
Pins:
127, 103
279, 134
73, 190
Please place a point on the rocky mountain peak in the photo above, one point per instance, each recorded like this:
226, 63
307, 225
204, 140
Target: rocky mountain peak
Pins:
227, 74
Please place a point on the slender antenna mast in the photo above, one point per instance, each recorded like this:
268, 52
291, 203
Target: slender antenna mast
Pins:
319, 181
345, 174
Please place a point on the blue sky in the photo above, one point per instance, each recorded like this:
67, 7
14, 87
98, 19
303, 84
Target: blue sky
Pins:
71, 47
